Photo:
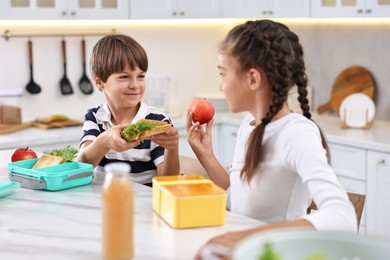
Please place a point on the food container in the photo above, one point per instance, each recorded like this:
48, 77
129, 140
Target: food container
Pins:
8, 188
52, 178
172, 180
10, 107
191, 203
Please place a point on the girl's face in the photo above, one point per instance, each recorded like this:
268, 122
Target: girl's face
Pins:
125, 89
233, 83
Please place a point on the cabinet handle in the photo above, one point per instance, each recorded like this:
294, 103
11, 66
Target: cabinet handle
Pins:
381, 161
270, 12
63, 13
368, 11
233, 133
73, 13
182, 13
359, 11
264, 12
174, 13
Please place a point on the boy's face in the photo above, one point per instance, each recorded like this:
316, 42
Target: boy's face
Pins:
125, 89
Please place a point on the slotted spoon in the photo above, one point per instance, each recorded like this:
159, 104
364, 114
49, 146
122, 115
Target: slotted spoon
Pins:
65, 86
85, 84
31, 87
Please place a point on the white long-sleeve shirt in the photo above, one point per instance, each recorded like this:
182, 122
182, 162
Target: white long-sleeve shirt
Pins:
294, 171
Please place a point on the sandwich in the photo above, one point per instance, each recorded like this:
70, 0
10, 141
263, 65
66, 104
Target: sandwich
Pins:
143, 129
56, 156
48, 160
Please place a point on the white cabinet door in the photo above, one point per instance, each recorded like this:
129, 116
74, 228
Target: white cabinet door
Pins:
378, 193
350, 8
33, 9
98, 9
349, 162
377, 8
144, 9
64, 9
160, 9
270, 8
199, 8
227, 141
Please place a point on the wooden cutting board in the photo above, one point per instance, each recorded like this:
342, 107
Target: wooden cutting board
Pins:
8, 128
66, 123
351, 80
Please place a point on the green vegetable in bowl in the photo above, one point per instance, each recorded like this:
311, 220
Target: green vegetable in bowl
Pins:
269, 253
67, 153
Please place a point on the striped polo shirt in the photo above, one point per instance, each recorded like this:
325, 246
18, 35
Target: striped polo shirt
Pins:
142, 159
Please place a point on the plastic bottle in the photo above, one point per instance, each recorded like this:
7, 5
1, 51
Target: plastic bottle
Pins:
118, 201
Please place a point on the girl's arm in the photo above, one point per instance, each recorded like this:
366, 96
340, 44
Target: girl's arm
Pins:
230, 239
200, 140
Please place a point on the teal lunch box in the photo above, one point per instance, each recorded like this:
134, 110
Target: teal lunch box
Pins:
7, 188
53, 178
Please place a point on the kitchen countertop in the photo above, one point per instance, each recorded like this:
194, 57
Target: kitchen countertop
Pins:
375, 138
67, 224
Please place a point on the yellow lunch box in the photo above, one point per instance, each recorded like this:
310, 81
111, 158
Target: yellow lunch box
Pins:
188, 205
172, 180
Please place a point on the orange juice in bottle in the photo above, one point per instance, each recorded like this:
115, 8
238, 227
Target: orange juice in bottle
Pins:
117, 196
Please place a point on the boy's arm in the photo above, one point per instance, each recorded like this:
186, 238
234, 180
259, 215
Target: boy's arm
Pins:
93, 151
170, 141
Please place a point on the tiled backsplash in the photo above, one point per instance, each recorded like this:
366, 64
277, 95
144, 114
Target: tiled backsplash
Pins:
187, 54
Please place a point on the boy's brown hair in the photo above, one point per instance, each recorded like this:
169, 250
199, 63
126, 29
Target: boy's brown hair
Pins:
113, 52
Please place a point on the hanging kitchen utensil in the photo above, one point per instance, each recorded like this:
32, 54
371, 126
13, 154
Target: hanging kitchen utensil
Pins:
65, 86
85, 84
31, 87
351, 80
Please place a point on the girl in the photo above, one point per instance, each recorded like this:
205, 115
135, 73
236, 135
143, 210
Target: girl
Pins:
280, 162
118, 66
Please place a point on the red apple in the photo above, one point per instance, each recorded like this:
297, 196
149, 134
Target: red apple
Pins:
202, 111
23, 154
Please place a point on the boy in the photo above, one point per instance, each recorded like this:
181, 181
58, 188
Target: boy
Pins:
118, 66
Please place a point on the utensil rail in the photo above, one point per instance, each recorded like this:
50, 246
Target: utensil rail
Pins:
8, 35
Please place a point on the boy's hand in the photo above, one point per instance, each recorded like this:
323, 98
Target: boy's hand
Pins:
114, 139
169, 140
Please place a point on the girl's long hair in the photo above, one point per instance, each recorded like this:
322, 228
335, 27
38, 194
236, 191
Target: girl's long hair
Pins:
272, 48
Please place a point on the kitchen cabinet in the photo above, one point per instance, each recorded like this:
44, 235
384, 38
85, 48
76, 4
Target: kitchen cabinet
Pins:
378, 188
349, 164
175, 9
186, 150
227, 139
267, 9
350, 8
64, 9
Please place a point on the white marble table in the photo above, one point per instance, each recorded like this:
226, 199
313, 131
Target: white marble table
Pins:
67, 224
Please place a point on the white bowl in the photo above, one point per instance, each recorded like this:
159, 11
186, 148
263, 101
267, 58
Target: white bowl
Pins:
294, 244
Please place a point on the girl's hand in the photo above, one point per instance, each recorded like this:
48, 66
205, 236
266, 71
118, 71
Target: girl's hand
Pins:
199, 137
220, 247
169, 140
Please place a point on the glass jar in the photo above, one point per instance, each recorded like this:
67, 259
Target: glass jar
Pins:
118, 203
10, 106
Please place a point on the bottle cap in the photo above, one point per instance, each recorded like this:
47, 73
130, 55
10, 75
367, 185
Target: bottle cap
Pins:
117, 167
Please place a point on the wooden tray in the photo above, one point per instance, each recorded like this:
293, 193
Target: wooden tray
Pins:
8, 128
57, 124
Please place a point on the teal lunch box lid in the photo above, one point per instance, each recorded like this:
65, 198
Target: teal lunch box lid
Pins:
57, 177
7, 188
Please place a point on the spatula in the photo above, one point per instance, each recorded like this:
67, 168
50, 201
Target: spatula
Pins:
65, 86
354, 79
31, 87
85, 84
